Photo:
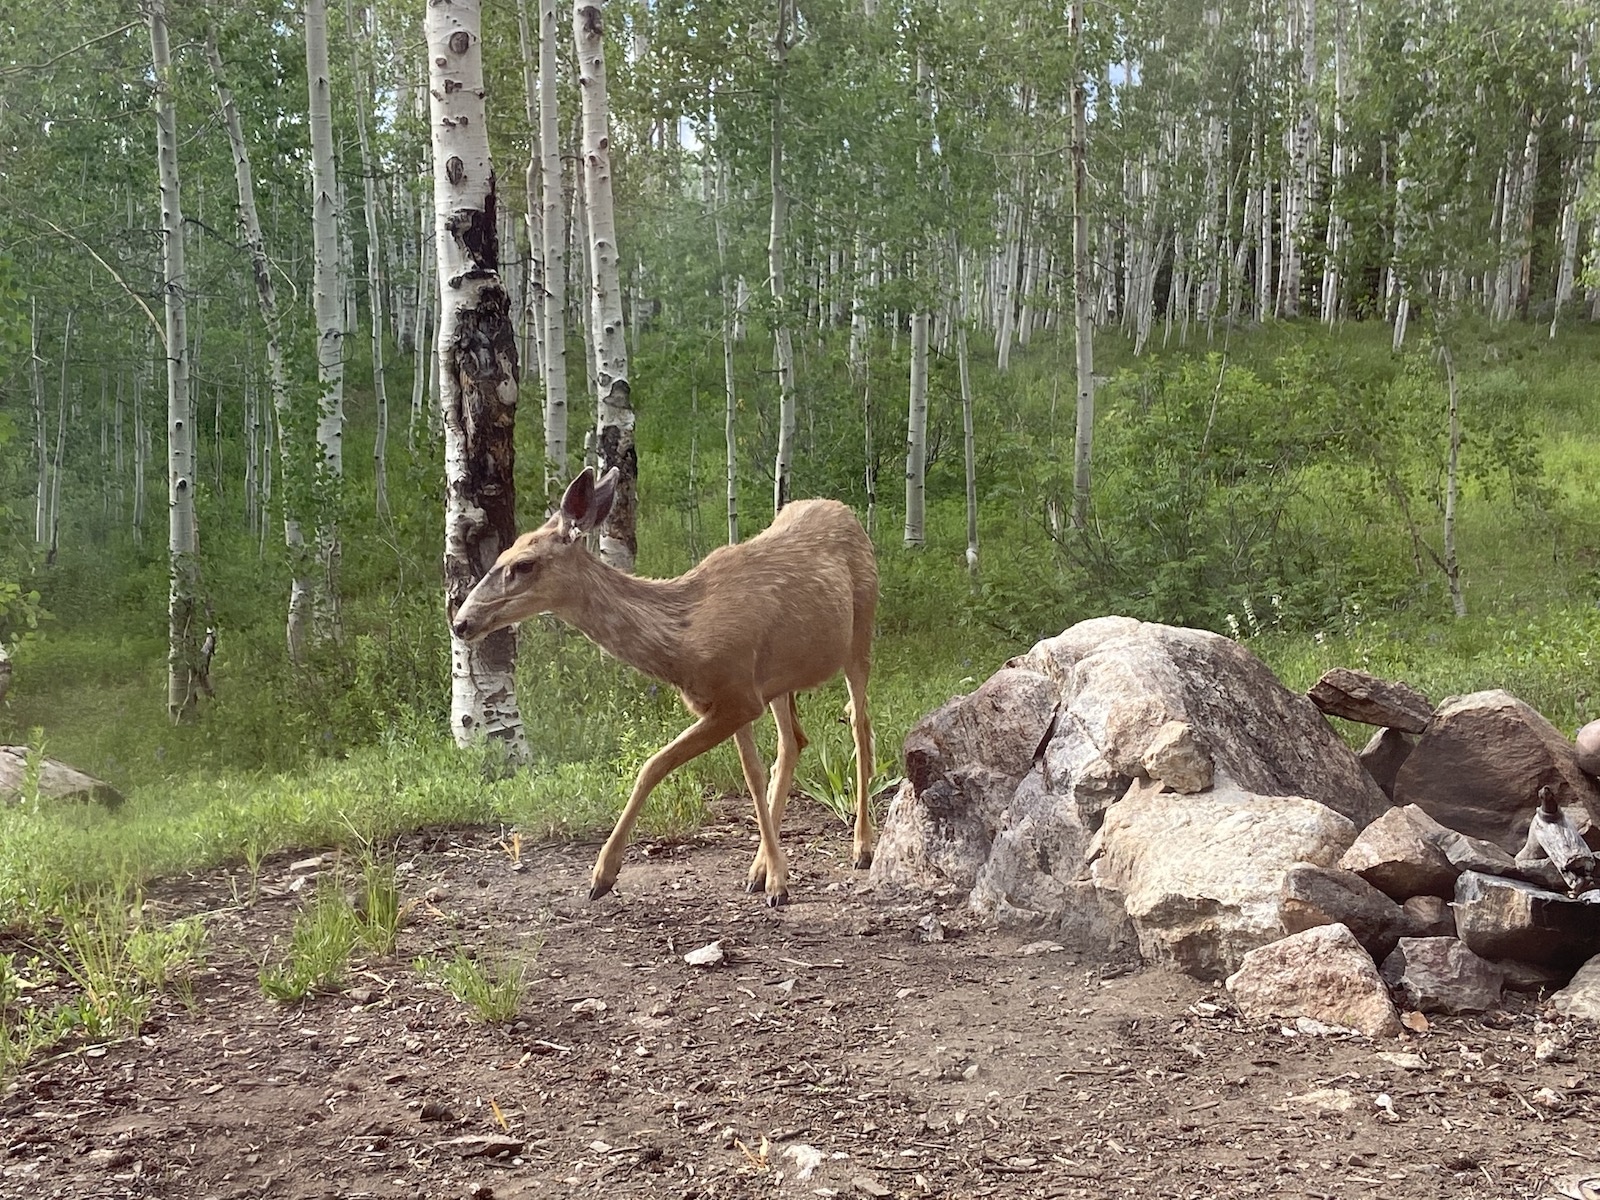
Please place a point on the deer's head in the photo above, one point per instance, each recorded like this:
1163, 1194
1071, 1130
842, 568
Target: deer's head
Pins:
535, 574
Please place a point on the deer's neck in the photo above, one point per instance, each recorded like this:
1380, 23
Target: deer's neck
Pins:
639, 621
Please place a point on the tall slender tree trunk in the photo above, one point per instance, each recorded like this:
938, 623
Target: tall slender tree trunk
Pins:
969, 443
718, 198
326, 297
1083, 314
777, 251
277, 373
619, 541
360, 73
554, 228
1452, 565
185, 670
533, 310
477, 354
917, 431
41, 432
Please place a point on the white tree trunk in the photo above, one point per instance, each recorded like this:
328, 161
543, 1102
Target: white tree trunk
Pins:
619, 543
41, 433
326, 297
1083, 314
719, 196
1452, 566
277, 373
533, 309
968, 439
917, 432
359, 71
554, 230
777, 251
477, 349
185, 677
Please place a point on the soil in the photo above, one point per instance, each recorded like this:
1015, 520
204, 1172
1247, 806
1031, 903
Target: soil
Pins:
846, 1045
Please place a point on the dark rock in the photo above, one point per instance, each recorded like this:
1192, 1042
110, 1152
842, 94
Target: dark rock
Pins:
1315, 895
1383, 756
1531, 977
1358, 696
55, 781
1396, 856
1507, 918
1441, 975
1429, 916
1481, 763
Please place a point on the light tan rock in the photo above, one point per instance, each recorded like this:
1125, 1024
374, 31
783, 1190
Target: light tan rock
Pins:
1322, 973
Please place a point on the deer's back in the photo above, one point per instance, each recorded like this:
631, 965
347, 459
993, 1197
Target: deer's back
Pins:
788, 607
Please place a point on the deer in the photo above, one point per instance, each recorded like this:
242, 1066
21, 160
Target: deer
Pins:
743, 631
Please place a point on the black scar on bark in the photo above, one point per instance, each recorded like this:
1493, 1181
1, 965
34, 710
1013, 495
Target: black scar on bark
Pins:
474, 229
591, 20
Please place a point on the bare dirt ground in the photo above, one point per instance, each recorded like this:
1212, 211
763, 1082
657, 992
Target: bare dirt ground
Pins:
835, 1051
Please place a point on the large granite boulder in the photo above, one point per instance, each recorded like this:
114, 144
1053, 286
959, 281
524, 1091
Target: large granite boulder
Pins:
1005, 788
1587, 745
1441, 975
1479, 767
1314, 895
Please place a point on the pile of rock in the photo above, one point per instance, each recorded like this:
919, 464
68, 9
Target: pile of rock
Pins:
1141, 790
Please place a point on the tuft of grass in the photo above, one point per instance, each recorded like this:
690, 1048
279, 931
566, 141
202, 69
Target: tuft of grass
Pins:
492, 988
379, 910
324, 936
827, 773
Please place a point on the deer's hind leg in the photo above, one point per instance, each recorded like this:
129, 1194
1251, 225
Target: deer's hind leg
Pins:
774, 882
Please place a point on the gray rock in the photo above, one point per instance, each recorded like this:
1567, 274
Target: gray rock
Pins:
1429, 916
1322, 973
1176, 758
1441, 975
1201, 876
1396, 855
1481, 763
1581, 997
1587, 748
1314, 895
1383, 756
55, 781
1358, 696
1507, 918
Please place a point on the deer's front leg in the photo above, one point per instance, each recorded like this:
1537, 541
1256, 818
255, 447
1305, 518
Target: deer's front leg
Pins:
769, 871
694, 741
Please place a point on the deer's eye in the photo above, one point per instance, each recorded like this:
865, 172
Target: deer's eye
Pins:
520, 568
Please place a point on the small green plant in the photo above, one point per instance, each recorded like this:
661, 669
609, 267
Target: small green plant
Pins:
828, 775
113, 998
324, 935
167, 958
493, 989
379, 911
33, 768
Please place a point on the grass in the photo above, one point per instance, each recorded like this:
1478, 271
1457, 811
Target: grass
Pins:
491, 988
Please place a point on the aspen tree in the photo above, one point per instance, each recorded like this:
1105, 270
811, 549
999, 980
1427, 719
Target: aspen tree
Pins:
477, 358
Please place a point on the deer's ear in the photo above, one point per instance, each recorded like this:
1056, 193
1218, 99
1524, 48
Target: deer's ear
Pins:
578, 501
605, 495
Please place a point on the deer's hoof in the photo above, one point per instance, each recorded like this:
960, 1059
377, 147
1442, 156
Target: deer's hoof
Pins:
601, 889
777, 899
863, 860
756, 884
